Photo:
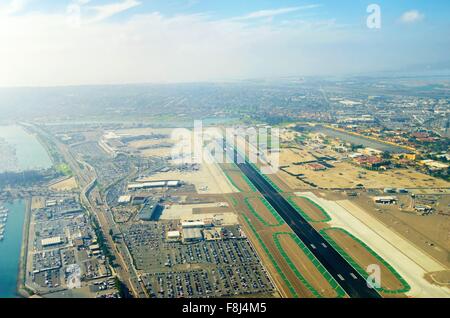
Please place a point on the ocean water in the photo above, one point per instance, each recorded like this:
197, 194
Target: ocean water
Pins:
10, 249
29, 152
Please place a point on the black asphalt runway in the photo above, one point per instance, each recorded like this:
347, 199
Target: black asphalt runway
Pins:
350, 280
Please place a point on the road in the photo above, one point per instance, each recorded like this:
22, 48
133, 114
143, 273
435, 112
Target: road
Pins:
87, 179
350, 280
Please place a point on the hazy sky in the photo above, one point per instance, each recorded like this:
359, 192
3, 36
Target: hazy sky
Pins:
66, 42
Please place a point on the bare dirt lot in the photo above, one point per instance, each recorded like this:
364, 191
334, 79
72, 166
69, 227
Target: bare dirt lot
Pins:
262, 211
142, 144
441, 278
37, 202
346, 175
431, 233
309, 208
289, 156
157, 152
65, 185
288, 182
236, 177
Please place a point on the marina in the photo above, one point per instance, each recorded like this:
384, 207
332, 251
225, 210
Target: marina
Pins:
3, 219
20, 151
10, 246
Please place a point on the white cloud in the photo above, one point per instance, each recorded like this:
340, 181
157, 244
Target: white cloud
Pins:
274, 12
80, 12
41, 49
14, 6
103, 12
411, 16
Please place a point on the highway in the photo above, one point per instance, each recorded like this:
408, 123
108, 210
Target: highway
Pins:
86, 178
350, 280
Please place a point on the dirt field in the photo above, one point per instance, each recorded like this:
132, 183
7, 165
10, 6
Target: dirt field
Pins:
282, 183
288, 135
157, 152
37, 202
441, 278
291, 182
431, 233
310, 209
139, 144
289, 156
364, 258
236, 177
65, 185
262, 211
346, 175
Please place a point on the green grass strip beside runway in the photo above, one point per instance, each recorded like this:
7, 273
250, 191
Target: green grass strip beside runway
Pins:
249, 183
272, 259
271, 210
405, 286
231, 180
339, 290
251, 186
326, 216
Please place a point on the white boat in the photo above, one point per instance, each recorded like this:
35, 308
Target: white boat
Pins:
3, 218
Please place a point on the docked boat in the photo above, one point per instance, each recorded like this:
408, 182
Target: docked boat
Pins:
3, 218
3, 212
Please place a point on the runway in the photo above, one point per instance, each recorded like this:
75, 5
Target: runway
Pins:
349, 279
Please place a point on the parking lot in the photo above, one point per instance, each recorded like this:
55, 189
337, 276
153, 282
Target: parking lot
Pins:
203, 269
220, 281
